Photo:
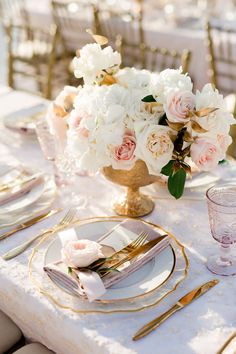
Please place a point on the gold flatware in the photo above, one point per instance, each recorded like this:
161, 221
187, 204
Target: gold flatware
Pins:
181, 303
29, 223
17, 183
225, 345
65, 221
136, 252
137, 242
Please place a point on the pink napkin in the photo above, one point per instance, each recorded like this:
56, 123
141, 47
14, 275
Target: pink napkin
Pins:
19, 191
88, 284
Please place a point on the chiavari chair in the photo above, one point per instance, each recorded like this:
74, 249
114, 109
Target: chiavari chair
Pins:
221, 44
159, 58
116, 23
31, 52
13, 10
72, 19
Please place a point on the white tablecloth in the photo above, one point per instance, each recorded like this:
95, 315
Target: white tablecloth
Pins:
199, 329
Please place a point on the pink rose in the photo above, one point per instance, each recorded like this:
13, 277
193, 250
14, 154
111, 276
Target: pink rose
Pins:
76, 122
206, 153
179, 105
224, 141
124, 156
81, 253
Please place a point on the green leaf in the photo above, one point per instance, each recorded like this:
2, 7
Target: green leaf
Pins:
224, 161
163, 120
176, 183
149, 98
167, 170
69, 270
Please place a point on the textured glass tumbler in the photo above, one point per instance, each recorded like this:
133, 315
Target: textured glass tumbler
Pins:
221, 201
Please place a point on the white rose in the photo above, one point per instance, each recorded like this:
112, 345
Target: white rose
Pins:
93, 60
82, 253
169, 80
154, 146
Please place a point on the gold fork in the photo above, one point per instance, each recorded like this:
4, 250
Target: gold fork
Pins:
142, 237
134, 246
139, 241
65, 221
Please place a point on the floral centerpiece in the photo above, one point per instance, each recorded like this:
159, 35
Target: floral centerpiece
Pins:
121, 116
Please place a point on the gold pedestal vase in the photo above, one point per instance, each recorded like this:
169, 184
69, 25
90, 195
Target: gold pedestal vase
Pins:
134, 203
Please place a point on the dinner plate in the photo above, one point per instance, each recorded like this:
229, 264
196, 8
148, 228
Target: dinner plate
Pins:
43, 202
26, 199
148, 278
142, 289
23, 121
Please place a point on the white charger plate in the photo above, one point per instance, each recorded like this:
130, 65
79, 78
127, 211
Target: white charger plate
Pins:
146, 279
7, 220
141, 299
23, 121
25, 200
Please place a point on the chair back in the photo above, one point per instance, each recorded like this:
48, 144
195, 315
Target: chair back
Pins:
117, 23
158, 58
13, 10
72, 19
221, 44
30, 43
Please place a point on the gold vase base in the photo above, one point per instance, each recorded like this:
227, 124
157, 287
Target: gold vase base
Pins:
140, 206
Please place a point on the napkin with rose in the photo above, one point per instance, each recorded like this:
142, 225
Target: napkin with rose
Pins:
85, 269
121, 115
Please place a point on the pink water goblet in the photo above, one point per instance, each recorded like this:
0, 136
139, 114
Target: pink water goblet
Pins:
221, 201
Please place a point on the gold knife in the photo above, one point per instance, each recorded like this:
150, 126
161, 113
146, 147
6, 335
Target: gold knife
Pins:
29, 223
17, 182
184, 301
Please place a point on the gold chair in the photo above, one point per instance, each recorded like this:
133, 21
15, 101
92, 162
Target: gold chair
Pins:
158, 59
13, 10
222, 64
116, 24
35, 51
72, 19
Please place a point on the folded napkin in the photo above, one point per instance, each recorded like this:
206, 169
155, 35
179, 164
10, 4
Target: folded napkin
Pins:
88, 284
20, 190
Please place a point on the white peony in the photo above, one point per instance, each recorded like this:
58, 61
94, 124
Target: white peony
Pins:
218, 121
169, 80
209, 97
93, 61
154, 146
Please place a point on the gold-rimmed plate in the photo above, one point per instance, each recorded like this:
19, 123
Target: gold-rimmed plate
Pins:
142, 289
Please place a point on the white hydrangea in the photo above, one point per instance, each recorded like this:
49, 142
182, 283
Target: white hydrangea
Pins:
169, 80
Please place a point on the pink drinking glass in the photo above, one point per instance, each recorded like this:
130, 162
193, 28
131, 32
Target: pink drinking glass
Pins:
221, 201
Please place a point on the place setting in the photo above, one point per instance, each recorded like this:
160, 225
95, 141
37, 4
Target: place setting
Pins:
25, 197
128, 215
